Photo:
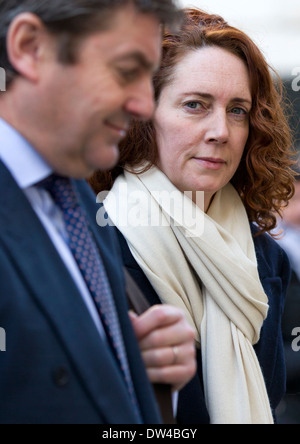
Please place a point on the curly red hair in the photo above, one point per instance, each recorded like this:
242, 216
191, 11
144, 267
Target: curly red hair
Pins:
264, 178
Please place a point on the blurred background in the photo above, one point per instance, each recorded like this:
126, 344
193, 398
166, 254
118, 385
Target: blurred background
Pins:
274, 25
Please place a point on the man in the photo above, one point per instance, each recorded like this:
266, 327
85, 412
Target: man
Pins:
77, 72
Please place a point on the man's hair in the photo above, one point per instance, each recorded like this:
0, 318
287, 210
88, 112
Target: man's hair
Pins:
71, 20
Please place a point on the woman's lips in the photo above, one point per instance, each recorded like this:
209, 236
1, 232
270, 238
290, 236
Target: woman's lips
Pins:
210, 162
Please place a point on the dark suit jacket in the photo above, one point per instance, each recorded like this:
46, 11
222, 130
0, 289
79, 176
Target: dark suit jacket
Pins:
56, 368
274, 270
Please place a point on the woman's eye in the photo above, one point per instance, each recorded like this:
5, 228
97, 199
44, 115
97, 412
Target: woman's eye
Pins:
193, 105
239, 111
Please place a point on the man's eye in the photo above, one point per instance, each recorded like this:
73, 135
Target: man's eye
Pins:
128, 75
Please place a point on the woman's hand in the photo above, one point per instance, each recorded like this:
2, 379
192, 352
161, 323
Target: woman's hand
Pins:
167, 344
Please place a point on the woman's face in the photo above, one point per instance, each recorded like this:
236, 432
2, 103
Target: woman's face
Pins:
202, 121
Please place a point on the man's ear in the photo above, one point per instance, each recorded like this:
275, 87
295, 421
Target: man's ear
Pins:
25, 43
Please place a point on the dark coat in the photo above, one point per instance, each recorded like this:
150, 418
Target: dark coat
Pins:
56, 367
274, 271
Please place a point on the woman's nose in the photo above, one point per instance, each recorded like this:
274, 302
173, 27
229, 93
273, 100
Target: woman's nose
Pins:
218, 130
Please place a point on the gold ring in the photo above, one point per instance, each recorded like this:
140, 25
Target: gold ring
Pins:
175, 352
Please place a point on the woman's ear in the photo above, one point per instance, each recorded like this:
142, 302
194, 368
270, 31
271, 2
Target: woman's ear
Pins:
25, 41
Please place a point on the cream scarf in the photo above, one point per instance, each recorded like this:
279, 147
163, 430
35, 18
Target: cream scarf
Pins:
206, 265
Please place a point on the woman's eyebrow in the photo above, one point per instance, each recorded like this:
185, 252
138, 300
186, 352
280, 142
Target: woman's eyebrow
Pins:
197, 93
211, 97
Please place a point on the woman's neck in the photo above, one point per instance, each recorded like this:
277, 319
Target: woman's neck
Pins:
203, 199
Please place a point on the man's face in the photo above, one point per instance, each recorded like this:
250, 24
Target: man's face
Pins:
85, 109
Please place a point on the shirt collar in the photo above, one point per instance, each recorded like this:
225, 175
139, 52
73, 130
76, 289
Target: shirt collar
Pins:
22, 160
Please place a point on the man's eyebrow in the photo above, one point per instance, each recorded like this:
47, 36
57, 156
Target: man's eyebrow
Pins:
140, 59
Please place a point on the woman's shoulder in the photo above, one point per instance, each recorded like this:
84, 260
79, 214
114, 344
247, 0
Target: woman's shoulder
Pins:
272, 259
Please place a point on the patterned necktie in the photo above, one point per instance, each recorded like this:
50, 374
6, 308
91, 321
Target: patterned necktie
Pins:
89, 261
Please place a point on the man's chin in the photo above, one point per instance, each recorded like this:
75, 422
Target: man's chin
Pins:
108, 159
104, 160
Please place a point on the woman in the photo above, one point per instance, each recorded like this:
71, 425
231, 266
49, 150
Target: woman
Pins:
219, 133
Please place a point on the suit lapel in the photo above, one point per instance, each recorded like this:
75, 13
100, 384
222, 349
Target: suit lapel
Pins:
50, 285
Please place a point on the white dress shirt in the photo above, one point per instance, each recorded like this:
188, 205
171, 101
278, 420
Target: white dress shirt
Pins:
28, 168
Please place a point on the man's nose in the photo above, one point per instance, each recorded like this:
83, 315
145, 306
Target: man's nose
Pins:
140, 104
